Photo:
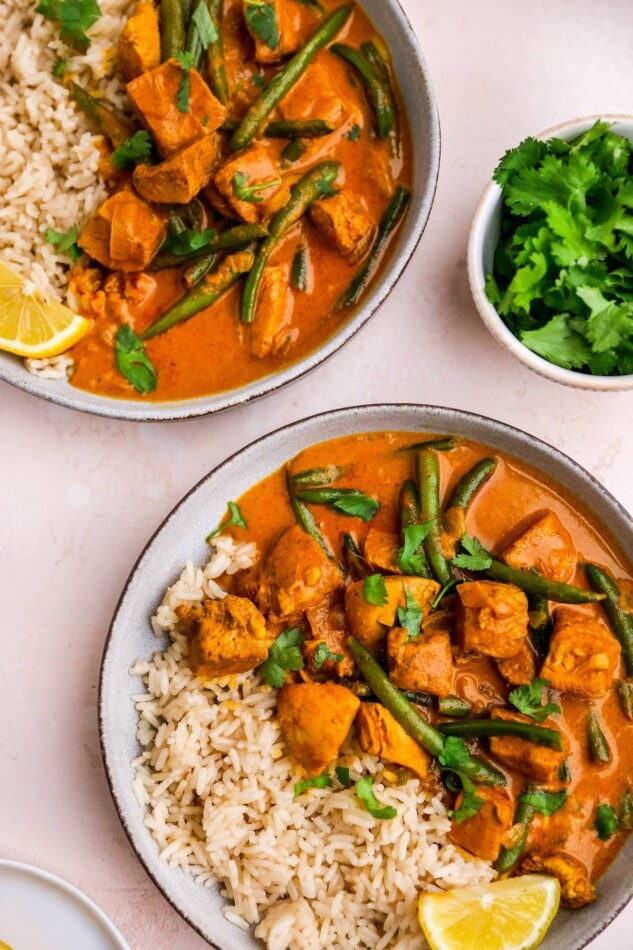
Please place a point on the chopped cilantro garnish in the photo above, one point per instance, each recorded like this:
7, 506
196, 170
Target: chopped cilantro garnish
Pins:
365, 794
132, 360
59, 68
284, 655
342, 774
321, 654
544, 802
471, 802
410, 559
527, 699
245, 192
606, 823
187, 241
357, 505
410, 616
66, 243
134, 151
262, 21
205, 27
258, 79
74, 18
235, 518
477, 558
182, 95
375, 590
454, 753
354, 133
319, 781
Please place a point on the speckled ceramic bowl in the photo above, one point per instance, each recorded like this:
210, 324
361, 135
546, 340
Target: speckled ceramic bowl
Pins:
419, 99
483, 240
180, 538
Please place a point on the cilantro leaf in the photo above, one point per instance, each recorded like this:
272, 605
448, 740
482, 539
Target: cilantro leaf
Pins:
410, 558
606, 823
470, 803
354, 133
375, 590
342, 774
74, 18
365, 794
186, 61
477, 558
283, 655
319, 781
205, 27
132, 360
357, 504
235, 518
454, 753
59, 68
135, 151
245, 192
410, 616
262, 21
321, 654
187, 241
544, 802
66, 243
526, 155
258, 80
557, 343
527, 699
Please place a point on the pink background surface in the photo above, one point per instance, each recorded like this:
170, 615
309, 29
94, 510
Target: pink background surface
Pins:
81, 495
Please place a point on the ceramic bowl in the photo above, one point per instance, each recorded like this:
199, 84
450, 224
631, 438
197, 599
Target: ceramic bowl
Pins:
483, 240
180, 539
420, 105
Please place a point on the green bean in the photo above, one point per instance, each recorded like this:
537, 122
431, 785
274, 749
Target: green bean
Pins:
442, 444
215, 65
326, 495
564, 772
195, 271
306, 520
621, 620
294, 151
408, 504
302, 195
485, 728
510, 857
233, 239
315, 477
290, 129
598, 745
382, 69
103, 117
287, 77
173, 20
175, 225
194, 214
625, 692
205, 294
299, 270
429, 489
541, 586
411, 719
540, 622
389, 221
454, 706
470, 483
378, 91
625, 811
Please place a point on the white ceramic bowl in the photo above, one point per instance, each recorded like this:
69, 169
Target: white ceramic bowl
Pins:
484, 236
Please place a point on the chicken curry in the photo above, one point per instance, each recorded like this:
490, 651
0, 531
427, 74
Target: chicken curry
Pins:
466, 618
254, 189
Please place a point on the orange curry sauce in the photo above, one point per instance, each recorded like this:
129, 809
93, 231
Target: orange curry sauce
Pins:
504, 506
210, 352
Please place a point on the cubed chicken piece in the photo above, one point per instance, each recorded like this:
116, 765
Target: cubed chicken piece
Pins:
380, 174
576, 888
313, 97
328, 625
482, 834
178, 179
492, 618
519, 670
545, 545
370, 623
536, 762
225, 636
315, 719
271, 332
154, 95
253, 168
138, 47
381, 550
380, 734
422, 663
296, 575
283, 40
583, 655
124, 233
344, 224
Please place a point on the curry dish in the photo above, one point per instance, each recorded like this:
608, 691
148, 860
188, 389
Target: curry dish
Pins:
254, 189
466, 618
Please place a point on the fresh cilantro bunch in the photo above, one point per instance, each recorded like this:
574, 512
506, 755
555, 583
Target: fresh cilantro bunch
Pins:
563, 269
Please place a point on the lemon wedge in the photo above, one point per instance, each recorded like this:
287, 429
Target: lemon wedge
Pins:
506, 915
32, 324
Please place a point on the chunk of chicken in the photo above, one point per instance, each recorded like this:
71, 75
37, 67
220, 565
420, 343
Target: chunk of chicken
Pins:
138, 46
225, 636
583, 655
381, 550
286, 39
380, 734
370, 623
576, 888
253, 167
482, 834
296, 575
124, 233
153, 96
536, 762
545, 545
492, 618
271, 332
315, 719
421, 663
179, 178
520, 669
344, 224
328, 625
313, 97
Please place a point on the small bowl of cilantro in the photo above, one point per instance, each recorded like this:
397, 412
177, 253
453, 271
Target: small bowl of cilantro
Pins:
550, 256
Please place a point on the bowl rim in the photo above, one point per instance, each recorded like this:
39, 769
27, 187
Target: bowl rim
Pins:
279, 443
60, 392
487, 205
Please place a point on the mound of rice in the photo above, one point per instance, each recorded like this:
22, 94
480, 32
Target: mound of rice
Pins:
218, 788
